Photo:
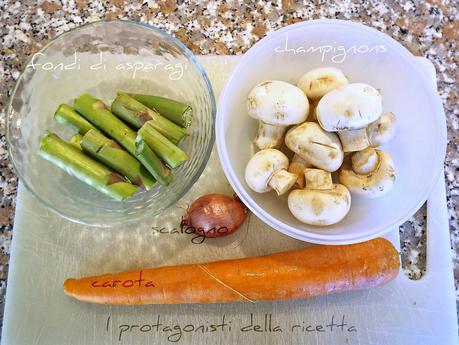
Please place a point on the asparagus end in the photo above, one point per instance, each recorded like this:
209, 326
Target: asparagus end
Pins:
67, 116
75, 141
164, 148
152, 162
187, 116
137, 114
77, 164
176, 111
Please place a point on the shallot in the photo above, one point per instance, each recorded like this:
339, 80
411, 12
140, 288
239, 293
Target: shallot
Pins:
215, 215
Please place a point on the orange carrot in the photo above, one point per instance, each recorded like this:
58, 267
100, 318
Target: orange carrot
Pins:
312, 271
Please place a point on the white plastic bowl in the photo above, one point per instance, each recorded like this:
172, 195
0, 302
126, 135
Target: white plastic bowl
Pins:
418, 148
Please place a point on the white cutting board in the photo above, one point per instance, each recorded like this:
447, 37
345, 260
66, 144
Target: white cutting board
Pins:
47, 249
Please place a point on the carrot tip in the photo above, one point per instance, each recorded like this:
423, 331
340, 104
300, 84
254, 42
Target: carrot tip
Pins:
68, 285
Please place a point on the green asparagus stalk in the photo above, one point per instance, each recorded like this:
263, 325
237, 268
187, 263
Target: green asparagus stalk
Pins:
151, 161
166, 150
176, 111
110, 153
66, 115
136, 114
77, 164
97, 113
75, 141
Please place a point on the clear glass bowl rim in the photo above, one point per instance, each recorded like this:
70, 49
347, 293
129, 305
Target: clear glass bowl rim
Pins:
186, 51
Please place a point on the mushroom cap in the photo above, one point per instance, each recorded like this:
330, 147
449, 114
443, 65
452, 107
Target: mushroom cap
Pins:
278, 103
318, 147
351, 106
320, 206
319, 81
372, 184
382, 130
261, 168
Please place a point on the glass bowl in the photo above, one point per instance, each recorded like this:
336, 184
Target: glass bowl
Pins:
101, 58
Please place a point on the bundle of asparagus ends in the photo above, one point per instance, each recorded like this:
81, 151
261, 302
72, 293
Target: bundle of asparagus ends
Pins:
122, 149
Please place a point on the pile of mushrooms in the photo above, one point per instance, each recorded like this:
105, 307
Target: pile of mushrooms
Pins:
330, 125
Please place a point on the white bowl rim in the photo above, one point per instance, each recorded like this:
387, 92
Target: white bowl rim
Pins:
330, 238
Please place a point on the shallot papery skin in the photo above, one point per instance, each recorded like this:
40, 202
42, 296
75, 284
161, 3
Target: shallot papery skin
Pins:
215, 215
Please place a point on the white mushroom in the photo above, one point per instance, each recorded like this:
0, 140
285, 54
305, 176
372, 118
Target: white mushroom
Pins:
370, 173
277, 105
349, 107
320, 81
382, 130
267, 170
297, 166
348, 110
318, 147
321, 202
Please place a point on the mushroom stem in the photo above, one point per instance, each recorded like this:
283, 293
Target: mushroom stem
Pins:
366, 161
318, 179
282, 181
269, 136
354, 140
312, 117
297, 167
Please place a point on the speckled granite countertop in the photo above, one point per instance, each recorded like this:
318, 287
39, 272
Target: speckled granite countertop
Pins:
427, 28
